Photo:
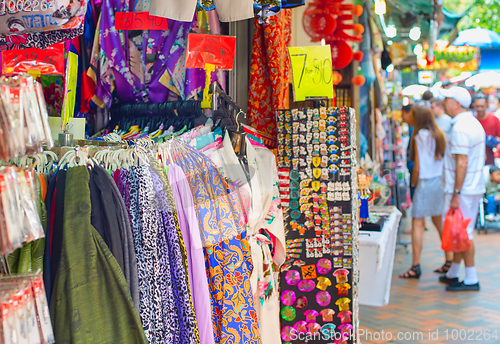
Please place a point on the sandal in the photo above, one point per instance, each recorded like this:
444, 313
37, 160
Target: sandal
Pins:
414, 272
444, 269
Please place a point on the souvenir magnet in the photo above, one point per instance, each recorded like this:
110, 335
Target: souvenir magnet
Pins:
315, 140
324, 266
295, 214
313, 328
321, 125
311, 315
301, 302
328, 330
323, 298
324, 161
316, 185
306, 285
341, 275
287, 333
323, 283
317, 172
288, 297
288, 313
308, 272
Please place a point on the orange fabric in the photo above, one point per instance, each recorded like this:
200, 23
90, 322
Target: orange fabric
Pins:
269, 71
43, 186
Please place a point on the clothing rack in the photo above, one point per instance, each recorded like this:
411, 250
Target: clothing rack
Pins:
182, 109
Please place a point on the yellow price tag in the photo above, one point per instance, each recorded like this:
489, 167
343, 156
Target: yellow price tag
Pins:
312, 72
70, 89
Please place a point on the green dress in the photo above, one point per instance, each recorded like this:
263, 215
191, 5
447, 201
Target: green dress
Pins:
91, 302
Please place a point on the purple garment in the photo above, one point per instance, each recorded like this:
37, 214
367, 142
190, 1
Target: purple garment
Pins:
132, 67
123, 187
188, 223
173, 262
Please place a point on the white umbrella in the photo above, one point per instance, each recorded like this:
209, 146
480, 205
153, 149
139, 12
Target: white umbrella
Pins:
484, 80
414, 90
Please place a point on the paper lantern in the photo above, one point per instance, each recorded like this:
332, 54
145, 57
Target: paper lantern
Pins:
358, 56
358, 10
341, 54
358, 80
336, 78
359, 29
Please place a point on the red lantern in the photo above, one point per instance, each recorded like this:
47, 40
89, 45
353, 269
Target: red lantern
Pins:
359, 29
336, 78
358, 56
341, 54
358, 10
358, 80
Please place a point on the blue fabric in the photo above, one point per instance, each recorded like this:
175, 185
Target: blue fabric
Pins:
492, 205
491, 141
408, 162
47, 276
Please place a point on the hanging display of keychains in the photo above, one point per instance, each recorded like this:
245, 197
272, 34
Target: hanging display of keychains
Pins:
317, 174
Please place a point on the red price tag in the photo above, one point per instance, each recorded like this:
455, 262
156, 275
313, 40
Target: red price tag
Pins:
139, 21
43, 61
213, 49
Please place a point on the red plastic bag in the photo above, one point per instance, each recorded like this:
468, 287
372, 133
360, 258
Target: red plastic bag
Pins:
455, 236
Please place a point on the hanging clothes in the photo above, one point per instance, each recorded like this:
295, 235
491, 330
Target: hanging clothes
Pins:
110, 218
265, 229
269, 72
89, 278
177, 255
140, 68
227, 252
188, 224
227, 10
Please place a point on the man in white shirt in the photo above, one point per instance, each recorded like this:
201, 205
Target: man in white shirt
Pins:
463, 179
442, 119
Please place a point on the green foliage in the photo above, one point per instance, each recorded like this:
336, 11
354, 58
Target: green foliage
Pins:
457, 6
484, 14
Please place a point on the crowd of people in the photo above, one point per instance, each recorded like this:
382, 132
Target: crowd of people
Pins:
452, 138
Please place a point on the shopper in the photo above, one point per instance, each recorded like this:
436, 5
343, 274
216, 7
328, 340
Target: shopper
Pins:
491, 126
442, 119
427, 148
492, 193
464, 180
407, 118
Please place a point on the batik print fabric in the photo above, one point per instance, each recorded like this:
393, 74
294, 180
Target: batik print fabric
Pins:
265, 229
269, 72
228, 260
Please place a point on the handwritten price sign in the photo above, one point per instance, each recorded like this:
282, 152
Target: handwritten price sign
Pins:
312, 72
139, 21
48, 61
212, 49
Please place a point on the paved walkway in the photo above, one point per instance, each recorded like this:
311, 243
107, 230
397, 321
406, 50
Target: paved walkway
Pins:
424, 312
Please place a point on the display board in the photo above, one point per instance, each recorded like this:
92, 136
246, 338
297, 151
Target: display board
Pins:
317, 177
